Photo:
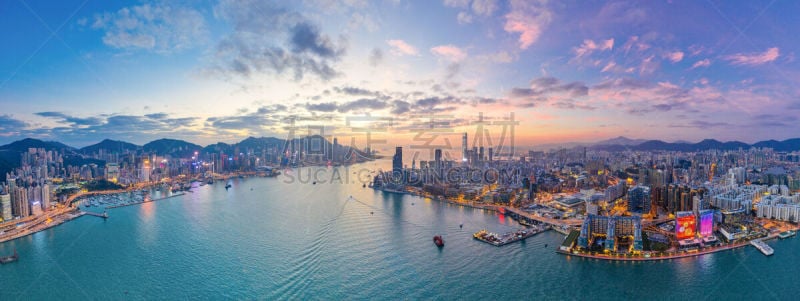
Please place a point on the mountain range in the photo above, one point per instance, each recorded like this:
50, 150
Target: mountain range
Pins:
618, 144
10, 154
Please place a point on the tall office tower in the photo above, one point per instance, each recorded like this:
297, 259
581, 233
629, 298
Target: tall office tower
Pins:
20, 206
334, 149
45, 197
491, 154
397, 161
438, 158
5, 206
480, 154
639, 199
464, 148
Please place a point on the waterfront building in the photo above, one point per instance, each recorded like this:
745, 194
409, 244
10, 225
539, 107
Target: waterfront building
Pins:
685, 225
613, 231
397, 164
706, 223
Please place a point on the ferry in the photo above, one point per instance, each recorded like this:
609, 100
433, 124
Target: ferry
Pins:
787, 234
762, 246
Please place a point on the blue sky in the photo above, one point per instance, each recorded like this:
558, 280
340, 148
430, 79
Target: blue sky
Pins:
208, 71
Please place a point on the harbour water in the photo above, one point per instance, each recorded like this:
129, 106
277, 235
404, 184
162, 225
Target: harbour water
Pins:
274, 238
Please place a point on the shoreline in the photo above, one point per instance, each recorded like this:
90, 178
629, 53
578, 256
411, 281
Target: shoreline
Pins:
669, 257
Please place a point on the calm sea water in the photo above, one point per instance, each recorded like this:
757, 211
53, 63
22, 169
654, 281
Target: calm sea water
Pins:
271, 238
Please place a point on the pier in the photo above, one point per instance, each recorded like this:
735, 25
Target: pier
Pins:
104, 215
148, 201
762, 246
507, 238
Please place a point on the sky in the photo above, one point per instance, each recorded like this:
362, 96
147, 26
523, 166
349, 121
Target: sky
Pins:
81, 71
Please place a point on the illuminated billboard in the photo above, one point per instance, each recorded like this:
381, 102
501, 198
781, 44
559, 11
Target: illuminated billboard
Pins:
684, 227
706, 223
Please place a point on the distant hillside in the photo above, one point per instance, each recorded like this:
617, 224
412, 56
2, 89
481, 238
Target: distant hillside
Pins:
11, 154
621, 140
707, 144
172, 147
109, 145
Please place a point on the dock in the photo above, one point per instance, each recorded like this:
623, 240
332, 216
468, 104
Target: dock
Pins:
103, 215
762, 246
507, 238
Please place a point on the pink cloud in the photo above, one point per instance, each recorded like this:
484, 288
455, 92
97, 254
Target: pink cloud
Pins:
675, 57
702, 63
527, 18
609, 67
400, 47
590, 46
449, 52
753, 59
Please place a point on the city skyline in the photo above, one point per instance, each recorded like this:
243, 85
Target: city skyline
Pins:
212, 71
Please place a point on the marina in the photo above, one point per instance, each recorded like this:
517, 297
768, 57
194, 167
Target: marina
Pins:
507, 238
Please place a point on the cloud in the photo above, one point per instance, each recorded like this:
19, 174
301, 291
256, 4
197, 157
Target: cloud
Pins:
590, 46
157, 27
609, 67
464, 18
457, 3
484, 7
400, 48
269, 39
362, 104
449, 52
701, 63
375, 57
753, 59
71, 119
700, 124
675, 56
347, 90
9, 126
528, 19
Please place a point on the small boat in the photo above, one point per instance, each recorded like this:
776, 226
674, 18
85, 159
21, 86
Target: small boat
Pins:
228, 186
461, 226
9, 259
438, 241
371, 212
315, 183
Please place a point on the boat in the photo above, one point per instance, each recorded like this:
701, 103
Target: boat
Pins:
228, 186
9, 259
438, 241
787, 234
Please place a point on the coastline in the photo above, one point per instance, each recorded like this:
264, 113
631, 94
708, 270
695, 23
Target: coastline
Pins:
668, 257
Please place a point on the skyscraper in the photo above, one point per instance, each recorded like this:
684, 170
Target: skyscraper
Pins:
639, 199
397, 161
464, 148
438, 158
5, 206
